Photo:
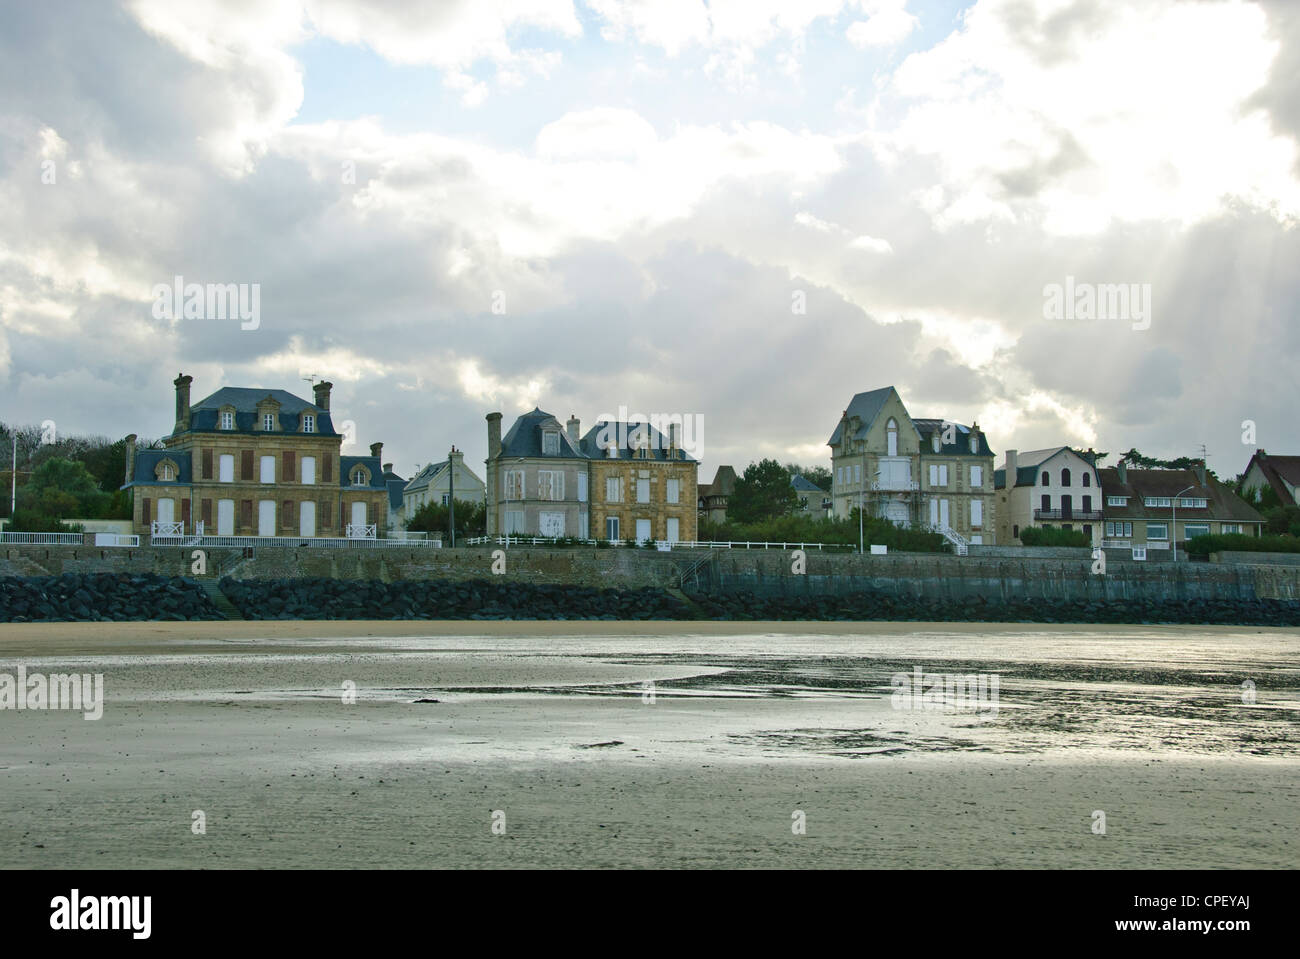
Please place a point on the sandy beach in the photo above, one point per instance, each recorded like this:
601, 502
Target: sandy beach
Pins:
652, 744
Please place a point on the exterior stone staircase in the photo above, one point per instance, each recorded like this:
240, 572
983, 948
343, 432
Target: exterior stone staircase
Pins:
213, 588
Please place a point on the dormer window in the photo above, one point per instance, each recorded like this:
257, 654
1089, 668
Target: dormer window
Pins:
550, 443
974, 443
611, 451
268, 421
227, 420
936, 442
308, 423
166, 472
360, 476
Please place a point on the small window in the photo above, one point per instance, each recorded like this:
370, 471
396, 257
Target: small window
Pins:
550, 443
1047, 480
227, 420
268, 421
360, 477
1087, 479
1065, 477
974, 444
308, 423
165, 472
936, 442
1157, 530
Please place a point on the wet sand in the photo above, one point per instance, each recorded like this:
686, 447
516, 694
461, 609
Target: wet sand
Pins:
553, 725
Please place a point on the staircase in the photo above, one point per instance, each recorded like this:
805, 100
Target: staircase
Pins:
958, 541
213, 588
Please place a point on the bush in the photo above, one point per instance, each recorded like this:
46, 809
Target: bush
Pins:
830, 532
1217, 543
1052, 536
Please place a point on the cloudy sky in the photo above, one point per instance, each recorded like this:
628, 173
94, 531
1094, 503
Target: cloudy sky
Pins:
743, 209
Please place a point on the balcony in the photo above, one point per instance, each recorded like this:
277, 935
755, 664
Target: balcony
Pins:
894, 486
1079, 515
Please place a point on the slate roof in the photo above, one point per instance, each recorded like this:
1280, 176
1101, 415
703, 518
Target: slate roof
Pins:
525, 437
395, 486
1028, 462
866, 407
1223, 503
724, 483
369, 462
805, 485
960, 446
594, 445
204, 415
146, 461
425, 476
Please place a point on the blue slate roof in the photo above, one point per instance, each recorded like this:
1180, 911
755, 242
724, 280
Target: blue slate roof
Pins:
422, 479
866, 407
204, 414
369, 462
805, 485
395, 486
146, 461
596, 440
960, 446
525, 437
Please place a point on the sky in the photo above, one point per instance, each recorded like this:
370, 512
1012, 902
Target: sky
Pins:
738, 211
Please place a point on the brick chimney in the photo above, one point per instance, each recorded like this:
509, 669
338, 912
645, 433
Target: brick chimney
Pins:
322, 391
1200, 472
376, 450
490, 473
494, 435
130, 458
182, 384
1013, 463
574, 428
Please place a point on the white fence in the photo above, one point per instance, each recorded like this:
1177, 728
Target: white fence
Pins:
44, 539
310, 542
116, 539
660, 544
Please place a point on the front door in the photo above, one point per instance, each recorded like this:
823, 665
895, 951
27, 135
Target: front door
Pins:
943, 513
642, 530
166, 511
225, 517
307, 518
266, 517
611, 527
673, 529
1067, 507
358, 518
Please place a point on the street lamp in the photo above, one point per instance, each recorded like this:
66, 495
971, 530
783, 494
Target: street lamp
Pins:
1173, 533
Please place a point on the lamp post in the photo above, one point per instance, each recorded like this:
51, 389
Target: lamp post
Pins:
1173, 533
861, 495
451, 494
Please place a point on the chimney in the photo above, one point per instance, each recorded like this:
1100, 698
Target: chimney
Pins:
182, 384
1122, 468
376, 450
322, 391
494, 435
1200, 472
456, 456
674, 439
1013, 463
388, 467
130, 457
573, 428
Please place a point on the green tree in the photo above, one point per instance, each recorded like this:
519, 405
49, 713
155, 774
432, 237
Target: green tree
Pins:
471, 518
819, 476
763, 492
58, 489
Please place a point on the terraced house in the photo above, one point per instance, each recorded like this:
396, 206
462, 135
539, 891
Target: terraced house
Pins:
621, 481
931, 473
255, 462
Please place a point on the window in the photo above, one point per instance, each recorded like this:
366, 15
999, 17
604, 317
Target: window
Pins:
643, 490
938, 475
1121, 530
1157, 501
309, 470
360, 477
857, 472
1192, 530
1047, 480
1116, 500
446, 499
611, 451
227, 420
308, 423
891, 438
977, 477
611, 527
268, 470
673, 530
613, 489
1065, 477
1015, 530
550, 485
1047, 501
977, 512
514, 480
936, 443
1230, 527
1192, 502
550, 443
514, 522
674, 494
974, 443
582, 487
1087, 504
1087, 479
165, 472
839, 475
226, 465
1157, 530
268, 421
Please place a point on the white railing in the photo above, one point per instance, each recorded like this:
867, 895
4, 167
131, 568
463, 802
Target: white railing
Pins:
959, 544
1157, 544
310, 542
44, 539
361, 531
1116, 544
117, 539
894, 486
166, 529
407, 534
658, 544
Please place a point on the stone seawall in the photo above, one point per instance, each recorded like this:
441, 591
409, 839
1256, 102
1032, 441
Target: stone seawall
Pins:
763, 572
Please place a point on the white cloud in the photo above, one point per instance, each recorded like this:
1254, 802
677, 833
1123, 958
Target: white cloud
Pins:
888, 24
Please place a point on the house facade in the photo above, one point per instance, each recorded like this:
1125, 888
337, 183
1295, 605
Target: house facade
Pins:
1056, 487
643, 484
440, 482
1281, 474
813, 502
712, 497
931, 473
254, 462
621, 481
1154, 509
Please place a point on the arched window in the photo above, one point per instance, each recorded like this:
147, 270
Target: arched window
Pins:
1087, 479
360, 476
1047, 480
1065, 477
891, 438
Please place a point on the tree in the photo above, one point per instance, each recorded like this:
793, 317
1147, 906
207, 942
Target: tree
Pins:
59, 489
471, 518
819, 476
763, 492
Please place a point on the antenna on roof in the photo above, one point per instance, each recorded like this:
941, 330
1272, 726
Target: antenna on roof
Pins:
312, 378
